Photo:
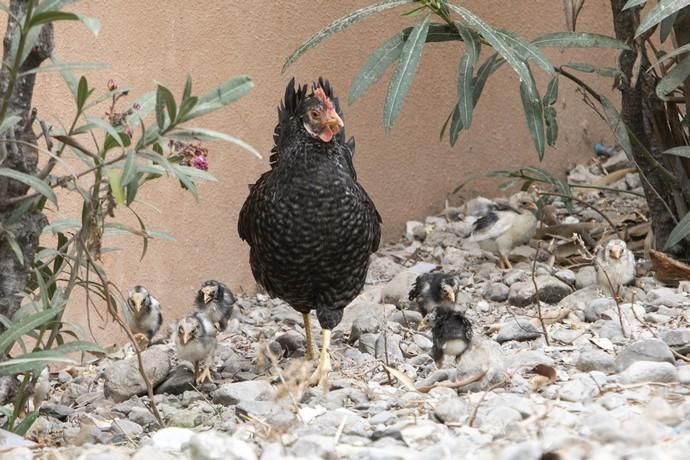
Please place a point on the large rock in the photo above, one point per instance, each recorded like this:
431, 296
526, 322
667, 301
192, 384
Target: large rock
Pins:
397, 289
596, 360
649, 371
212, 445
270, 412
483, 355
586, 276
123, 380
678, 339
179, 381
496, 292
551, 290
644, 350
360, 307
388, 348
253, 390
519, 328
668, 297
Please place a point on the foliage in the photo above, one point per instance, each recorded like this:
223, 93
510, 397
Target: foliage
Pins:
454, 23
118, 155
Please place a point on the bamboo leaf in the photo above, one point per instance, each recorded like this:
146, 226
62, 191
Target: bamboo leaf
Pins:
633, 4
32, 362
16, 249
531, 103
662, 10
26, 324
187, 92
455, 126
202, 134
672, 80
376, 65
51, 16
32, 181
617, 125
683, 151
341, 24
25, 424
526, 50
551, 95
680, 50
679, 232
551, 125
404, 73
166, 98
667, 26
67, 75
578, 40
82, 92
465, 79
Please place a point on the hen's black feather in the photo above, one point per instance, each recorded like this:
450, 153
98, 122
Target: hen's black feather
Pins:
310, 225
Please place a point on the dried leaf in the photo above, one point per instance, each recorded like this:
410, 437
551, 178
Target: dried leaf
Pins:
668, 270
404, 379
546, 371
538, 382
603, 343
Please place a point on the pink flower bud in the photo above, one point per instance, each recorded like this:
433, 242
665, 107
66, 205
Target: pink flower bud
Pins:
112, 86
135, 106
200, 162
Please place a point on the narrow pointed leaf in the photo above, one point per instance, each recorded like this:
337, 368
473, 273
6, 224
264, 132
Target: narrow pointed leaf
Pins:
683, 151
203, 134
341, 24
680, 50
67, 75
224, 94
116, 186
465, 84
9, 122
93, 24
404, 73
531, 103
25, 424
675, 78
551, 125
168, 100
617, 125
662, 10
679, 232
667, 26
187, 92
526, 50
376, 65
101, 123
633, 4
82, 92
129, 170
32, 181
52, 16
578, 40
455, 126
551, 95
26, 324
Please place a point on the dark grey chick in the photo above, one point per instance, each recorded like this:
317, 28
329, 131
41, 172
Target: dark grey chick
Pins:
451, 334
145, 316
434, 289
216, 300
195, 342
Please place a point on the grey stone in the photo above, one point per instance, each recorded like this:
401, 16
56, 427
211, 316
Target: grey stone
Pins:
567, 276
514, 275
57, 411
141, 416
213, 445
365, 324
496, 292
171, 438
422, 342
551, 290
596, 360
231, 393
684, 375
610, 329
314, 446
678, 339
644, 350
180, 380
408, 318
649, 371
122, 378
632, 180
382, 268
519, 328
483, 355
585, 277
289, 342
415, 230
360, 307
9, 440
566, 336
272, 413
367, 344
127, 428
581, 389
597, 307
496, 420
529, 359
397, 289
452, 410
668, 297
388, 348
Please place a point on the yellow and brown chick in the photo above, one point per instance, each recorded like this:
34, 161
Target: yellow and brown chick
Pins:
216, 300
144, 314
195, 342
451, 334
618, 262
506, 226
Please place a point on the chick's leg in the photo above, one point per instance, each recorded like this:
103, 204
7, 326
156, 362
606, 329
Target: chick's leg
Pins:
320, 375
506, 263
204, 375
310, 355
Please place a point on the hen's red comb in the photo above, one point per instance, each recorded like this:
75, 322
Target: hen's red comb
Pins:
325, 100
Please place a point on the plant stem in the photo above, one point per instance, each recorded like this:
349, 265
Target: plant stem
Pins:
24, 31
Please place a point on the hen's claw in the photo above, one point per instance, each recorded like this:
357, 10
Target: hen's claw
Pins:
320, 375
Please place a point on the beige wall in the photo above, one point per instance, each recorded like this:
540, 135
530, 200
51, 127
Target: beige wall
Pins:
408, 172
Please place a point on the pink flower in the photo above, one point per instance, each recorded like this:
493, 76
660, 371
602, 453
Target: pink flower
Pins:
200, 162
112, 86
136, 106
128, 131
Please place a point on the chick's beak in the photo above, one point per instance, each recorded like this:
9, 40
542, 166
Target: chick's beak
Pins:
532, 206
207, 297
136, 304
449, 294
185, 337
616, 252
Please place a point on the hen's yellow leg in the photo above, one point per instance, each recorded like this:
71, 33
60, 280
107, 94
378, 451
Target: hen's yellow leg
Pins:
320, 375
310, 355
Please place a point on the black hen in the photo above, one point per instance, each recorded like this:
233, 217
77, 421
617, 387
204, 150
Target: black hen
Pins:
310, 225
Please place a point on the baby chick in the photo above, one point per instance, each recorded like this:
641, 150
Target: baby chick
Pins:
145, 317
433, 289
506, 226
616, 261
216, 300
195, 342
451, 333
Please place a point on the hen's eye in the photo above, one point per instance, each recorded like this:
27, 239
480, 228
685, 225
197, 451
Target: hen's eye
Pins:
314, 114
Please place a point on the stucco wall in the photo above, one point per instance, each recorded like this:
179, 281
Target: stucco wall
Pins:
408, 172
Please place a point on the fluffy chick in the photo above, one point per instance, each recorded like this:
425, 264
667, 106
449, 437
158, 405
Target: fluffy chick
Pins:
616, 261
216, 300
195, 342
145, 316
451, 335
506, 226
434, 289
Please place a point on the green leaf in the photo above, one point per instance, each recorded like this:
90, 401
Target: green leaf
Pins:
32, 181
551, 95
147, 103
195, 173
93, 24
679, 232
455, 125
32, 362
47, 5
683, 151
9, 122
526, 50
79, 346
667, 26
680, 50
12, 242
578, 40
404, 73
661, 11
64, 66
187, 92
165, 98
672, 80
589, 68
531, 103
116, 185
129, 170
25, 424
67, 75
202, 134
224, 94
29, 323
52, 16
633, 4
186, 107
616, 124
110, 129
465, 84
82, 93
132, 188
376, 65
341, 24
551, 125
